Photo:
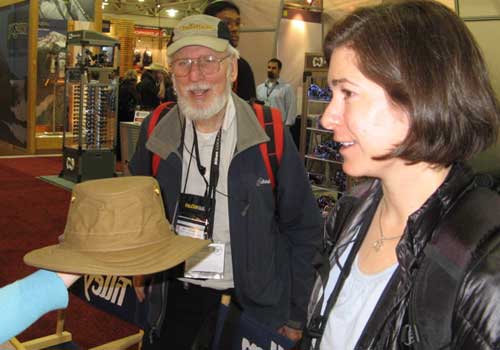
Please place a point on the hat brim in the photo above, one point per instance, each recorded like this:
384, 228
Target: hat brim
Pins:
137, 261
156, 69
216, 44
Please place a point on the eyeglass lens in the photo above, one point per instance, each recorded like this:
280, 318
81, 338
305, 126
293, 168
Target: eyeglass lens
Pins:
206, 64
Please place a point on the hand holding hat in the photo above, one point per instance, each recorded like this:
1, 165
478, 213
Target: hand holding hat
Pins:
116, 227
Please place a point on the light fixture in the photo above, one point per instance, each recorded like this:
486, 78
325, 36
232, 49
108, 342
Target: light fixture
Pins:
309, 2
172, 12
140, 0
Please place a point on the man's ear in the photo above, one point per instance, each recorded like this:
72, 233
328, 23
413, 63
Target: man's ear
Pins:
234, 70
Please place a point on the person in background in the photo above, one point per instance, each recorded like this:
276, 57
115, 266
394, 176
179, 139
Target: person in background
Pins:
415, 251
149, 86
128, 100
215, 184
229, 13
276, 93
166, 90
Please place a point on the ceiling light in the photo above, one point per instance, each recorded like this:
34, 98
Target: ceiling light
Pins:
172, 12
141, 0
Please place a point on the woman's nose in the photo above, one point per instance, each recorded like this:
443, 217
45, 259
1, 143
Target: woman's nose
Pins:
333, 115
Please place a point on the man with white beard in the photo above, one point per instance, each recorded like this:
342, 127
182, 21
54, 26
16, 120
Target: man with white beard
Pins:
215, 186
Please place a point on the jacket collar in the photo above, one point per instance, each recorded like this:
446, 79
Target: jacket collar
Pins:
423, 222
167, 135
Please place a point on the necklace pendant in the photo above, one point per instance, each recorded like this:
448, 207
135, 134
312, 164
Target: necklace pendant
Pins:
377, 244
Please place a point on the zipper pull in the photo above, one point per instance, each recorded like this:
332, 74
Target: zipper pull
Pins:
410, 334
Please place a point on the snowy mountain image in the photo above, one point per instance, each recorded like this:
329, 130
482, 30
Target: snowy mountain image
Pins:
53, 40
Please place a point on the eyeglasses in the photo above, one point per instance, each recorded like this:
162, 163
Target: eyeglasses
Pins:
207, 64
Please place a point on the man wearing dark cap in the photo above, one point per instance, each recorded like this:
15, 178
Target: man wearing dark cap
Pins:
229, 13
215, 185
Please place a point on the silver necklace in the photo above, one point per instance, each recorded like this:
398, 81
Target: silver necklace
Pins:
378, 243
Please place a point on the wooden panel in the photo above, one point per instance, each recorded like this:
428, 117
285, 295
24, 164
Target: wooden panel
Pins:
32, 72
9, 2
123, 30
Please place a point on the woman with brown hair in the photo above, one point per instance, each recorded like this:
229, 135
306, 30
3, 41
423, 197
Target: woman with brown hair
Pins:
414, 257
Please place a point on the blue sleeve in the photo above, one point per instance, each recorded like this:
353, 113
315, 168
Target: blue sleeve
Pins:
26, 300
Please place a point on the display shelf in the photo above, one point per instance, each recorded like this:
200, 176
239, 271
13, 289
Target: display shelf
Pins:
326, 189
326, 175
91, 105
314, 116
318, 101
309, 156
326, 131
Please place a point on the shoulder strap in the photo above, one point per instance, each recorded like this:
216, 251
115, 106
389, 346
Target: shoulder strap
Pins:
269, 119
272, 151
447, 259
158, 113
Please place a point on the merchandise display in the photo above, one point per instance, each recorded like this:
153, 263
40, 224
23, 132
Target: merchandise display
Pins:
314, 92
322, 157
91, 105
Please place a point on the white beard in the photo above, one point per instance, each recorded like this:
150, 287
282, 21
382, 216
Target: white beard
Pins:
192, 112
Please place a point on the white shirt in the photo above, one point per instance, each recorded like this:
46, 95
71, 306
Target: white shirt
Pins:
354, 306
196, 185
279, 95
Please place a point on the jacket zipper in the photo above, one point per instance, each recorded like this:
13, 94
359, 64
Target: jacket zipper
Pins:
163, 307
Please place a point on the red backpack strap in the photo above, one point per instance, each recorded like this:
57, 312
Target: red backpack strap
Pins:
159, 112
272, 151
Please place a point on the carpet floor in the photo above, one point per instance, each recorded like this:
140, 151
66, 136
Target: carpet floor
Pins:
32, 215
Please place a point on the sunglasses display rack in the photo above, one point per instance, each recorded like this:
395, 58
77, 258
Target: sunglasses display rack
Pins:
321, 154
91, 90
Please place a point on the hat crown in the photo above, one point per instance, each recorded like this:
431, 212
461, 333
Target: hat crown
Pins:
116, 214
200, 30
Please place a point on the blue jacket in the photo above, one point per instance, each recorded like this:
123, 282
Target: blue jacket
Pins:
272, 244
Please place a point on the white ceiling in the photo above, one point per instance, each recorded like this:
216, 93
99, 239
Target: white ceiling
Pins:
153, 7
187, 7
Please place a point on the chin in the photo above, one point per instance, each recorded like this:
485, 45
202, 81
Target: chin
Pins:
354, 170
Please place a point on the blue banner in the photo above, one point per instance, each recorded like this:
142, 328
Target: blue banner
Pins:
245, 333
112, 294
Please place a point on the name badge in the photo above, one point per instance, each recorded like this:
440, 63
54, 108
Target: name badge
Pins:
207, 263
192, 219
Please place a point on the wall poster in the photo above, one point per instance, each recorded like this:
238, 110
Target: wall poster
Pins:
76, 10
51, 62
14, 29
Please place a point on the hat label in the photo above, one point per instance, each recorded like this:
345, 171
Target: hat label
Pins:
110, 288
197, 26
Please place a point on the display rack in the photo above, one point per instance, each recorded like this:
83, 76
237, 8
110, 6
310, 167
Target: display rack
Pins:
91, 104
322, 160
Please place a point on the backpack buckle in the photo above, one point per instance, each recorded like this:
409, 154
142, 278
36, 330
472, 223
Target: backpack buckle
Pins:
410, 335
314, 330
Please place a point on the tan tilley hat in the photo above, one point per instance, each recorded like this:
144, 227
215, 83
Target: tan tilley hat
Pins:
116, 227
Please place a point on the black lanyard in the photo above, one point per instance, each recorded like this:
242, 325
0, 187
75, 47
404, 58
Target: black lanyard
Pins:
269, 92
214, 176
